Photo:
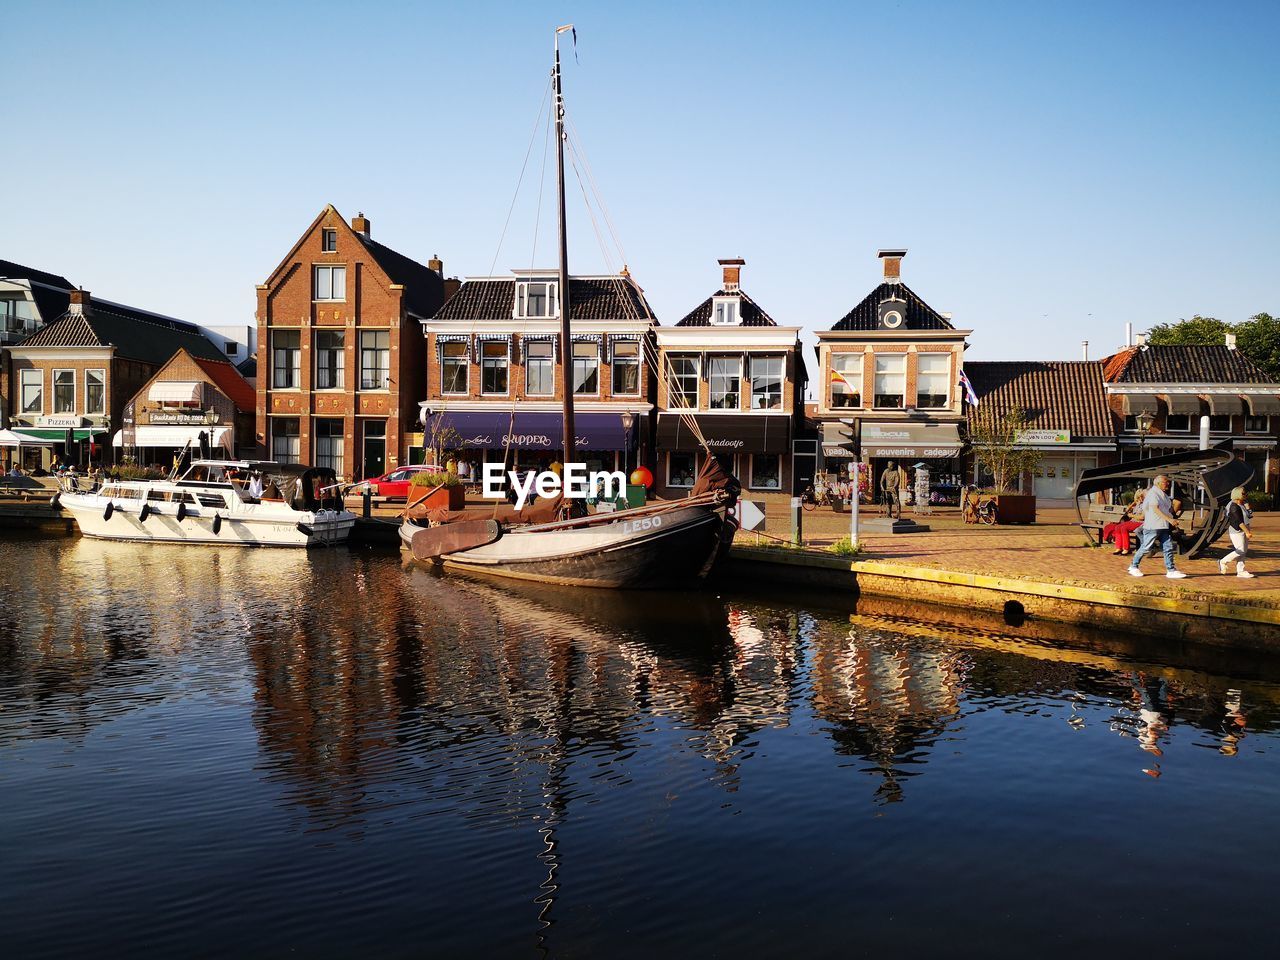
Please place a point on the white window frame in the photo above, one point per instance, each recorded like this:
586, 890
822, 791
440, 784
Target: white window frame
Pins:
751, 462
549, 359
333, 270
552, 298
733, 360
506, 367
726, 311
1264, 417
626, 361
466, 366
693, 474
781, 378
31, 377
946, 379
676, 378
877, 374
573, 367
53, 392
1217, 416
102, 376
1169, 429
837, 359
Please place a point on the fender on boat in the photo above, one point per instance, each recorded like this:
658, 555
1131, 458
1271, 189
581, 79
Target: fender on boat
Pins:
111, 508
182, 512
144, 513
432, 543
217, 524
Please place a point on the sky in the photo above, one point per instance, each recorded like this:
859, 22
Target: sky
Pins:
1054, 170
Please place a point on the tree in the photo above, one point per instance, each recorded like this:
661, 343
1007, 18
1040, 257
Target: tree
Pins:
1258, 338
996, 447
1196, 332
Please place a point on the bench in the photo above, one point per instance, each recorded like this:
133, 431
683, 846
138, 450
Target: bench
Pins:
1101, 514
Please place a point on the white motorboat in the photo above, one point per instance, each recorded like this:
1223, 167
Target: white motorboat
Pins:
210, 504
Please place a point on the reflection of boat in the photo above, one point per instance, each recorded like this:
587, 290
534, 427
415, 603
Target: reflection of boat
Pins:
205, 506
663, 544
1208, 476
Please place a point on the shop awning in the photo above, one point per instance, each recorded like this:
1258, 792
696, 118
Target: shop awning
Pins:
837, 441
1133, 404
174, 391
1183, 403
929, 441
148, 435
1224, 404
534, 431
727, 433
1263, 404
55, 435
9, 438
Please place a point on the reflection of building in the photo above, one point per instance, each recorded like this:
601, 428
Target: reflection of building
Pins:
889, 388
740, 376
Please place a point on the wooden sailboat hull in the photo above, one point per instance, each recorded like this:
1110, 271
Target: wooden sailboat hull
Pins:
668, 549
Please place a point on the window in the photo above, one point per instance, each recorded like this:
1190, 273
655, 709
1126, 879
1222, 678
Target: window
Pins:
33, 391
329, 438
539, 374
724, 312
230, 348
1220, 422
330, 359
536, 298
586, 368
891, 380
95, 391
681, 469
933, 380
1177, 423
328, 240
626, 369
454, 366
64, 391
684, 382
766, 471
375, 359
330, 283
17, 315
846, 388
1257, 424
286, 359
726, 383
494, 355
285, 445
766, 383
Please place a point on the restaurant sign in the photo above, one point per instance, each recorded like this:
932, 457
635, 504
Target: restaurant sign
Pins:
170, 417
1043, 437
61, 422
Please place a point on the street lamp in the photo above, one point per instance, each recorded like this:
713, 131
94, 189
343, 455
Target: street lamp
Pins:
628, 419
1145, 419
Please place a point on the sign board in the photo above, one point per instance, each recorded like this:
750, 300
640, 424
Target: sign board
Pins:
1042, 437
930, 441
62, 421
178, 418
750, 515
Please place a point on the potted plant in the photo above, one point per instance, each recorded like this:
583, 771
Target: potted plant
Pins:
445, 486
996, 449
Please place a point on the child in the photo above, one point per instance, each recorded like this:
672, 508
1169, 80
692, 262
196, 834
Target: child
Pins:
1238, 517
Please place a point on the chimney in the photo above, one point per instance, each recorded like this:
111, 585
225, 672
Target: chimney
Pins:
1084, 345
360, 224
892, 264
732, 274
436, 264
1231, 341
79, 305
1139, 339
451, 287
1128, 334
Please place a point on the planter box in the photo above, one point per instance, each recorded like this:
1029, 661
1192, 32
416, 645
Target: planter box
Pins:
837, 505
1015, 508
455, 497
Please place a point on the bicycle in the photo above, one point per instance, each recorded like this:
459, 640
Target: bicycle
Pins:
811, 499
981, 510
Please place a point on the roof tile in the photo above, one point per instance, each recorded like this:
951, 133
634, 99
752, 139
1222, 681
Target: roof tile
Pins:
1055, 394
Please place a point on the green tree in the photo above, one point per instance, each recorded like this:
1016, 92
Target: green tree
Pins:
1197, 332
1259, 339
995, 445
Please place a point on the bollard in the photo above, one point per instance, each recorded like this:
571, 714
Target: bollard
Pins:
797, 528
367, 498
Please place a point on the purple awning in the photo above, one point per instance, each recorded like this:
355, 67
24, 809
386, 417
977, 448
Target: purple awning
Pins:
535, 431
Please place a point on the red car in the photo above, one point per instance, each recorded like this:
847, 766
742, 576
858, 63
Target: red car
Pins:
394, 485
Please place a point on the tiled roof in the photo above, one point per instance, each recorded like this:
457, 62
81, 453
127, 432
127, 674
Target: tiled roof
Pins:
423, 287
136, 335
16, 271
750, 314
590, 298
1055, 394
1183, 364
920, 316
229, 381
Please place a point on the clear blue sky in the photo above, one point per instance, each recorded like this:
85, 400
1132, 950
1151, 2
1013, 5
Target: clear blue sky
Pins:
1054, 170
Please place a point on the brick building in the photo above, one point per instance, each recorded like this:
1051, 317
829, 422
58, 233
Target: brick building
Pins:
889, 388
741, 378
493, 377
341, 356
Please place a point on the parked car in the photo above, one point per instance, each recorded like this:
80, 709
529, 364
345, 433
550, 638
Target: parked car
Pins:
394, 484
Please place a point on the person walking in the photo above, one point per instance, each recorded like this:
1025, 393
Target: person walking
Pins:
1157, 527
1238, 530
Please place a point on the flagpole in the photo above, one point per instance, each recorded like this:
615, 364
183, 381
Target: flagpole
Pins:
566, 343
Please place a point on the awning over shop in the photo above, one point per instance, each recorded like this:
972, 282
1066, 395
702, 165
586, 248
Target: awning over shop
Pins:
929, 441
174, 392
837, 441
9, 438
57, 436
727, 433
1263, 404
1183, 403
534, 431
148, 435
1136, 403
1224, 404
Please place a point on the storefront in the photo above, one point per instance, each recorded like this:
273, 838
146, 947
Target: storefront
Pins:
532, 441
756, 447
70, 438
934, 447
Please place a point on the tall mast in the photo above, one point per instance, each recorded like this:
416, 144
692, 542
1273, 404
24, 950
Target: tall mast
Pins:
566, 343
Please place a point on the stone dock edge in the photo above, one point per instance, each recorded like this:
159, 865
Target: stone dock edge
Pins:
1218, 623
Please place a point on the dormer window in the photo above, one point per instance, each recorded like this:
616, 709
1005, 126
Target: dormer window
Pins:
724, 312
536, 299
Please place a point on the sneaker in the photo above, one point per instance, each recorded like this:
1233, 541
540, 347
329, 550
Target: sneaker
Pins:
1135, 572
1245, 575
1222, 567
1176, 575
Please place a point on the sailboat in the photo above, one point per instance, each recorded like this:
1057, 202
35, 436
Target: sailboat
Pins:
662, 544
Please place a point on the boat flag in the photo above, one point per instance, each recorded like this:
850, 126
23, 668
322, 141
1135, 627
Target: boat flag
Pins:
968, 389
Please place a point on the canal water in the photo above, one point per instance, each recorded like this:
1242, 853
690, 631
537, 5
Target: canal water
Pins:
261, 752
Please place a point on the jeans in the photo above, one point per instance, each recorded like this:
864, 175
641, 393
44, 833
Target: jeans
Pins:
1149, 540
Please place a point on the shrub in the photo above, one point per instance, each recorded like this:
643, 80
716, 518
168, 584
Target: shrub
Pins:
435, 478
1259, 499
844, 548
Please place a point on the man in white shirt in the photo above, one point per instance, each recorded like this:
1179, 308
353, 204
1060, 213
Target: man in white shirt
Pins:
1158, 522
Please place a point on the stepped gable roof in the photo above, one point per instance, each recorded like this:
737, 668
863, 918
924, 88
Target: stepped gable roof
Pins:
1172, 363
591, 298
750, 313
920, 316
230, 382
423, 287
136, 334
1055, 394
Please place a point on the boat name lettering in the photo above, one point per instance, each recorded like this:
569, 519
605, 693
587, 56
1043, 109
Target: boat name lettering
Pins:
641, 524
